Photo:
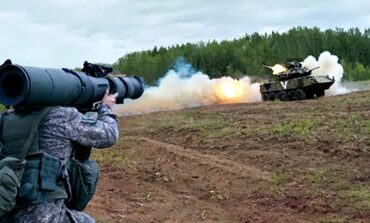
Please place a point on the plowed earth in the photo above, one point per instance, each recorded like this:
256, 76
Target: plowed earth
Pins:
302, 161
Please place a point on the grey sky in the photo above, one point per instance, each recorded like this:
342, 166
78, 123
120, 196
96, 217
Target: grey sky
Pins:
65, 33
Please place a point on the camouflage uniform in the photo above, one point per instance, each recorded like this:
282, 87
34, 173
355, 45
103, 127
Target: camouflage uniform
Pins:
62, 127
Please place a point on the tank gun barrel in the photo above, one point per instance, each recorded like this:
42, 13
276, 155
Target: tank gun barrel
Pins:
314, 69
310, 70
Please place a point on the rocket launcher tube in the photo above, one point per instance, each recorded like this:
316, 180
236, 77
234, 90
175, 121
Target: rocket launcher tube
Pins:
35, 86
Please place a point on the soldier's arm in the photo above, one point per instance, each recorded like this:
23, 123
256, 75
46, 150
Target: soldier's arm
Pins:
101, 132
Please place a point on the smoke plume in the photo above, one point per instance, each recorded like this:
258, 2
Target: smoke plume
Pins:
182, 88
328, 65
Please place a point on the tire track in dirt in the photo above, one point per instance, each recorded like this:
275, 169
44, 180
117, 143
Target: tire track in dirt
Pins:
135, 198
224, 164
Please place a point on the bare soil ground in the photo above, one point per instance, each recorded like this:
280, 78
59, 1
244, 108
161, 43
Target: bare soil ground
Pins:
303, 161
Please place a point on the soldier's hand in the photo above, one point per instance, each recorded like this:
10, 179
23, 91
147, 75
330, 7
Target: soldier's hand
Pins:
109, 99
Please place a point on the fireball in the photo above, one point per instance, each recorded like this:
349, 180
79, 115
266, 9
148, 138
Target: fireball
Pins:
277, 69
228, 90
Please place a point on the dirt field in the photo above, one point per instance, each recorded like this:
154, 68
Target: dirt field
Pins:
306, 161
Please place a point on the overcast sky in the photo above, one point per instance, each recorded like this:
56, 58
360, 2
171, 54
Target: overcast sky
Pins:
64, 33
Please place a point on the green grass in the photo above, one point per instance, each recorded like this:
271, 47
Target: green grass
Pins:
321, 180
206, 125
353, 127
318, 177
359, 196
221, 125
304, 125
108, 221
113, 156
299, 128
338, 119
278, 179
332, 220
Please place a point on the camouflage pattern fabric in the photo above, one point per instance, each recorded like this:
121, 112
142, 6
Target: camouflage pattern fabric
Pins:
62, 127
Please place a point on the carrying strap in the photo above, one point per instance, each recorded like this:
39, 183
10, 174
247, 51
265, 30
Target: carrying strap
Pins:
1, 123
34, 130
1, 136
1, 130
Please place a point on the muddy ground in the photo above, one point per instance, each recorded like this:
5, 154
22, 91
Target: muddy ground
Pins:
305, 161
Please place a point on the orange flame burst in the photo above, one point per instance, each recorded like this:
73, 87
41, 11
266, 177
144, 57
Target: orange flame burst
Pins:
277, 69
228, 90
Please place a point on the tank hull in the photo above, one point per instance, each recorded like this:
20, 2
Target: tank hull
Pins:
300, 88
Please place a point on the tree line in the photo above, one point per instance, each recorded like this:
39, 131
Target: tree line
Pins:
246, 55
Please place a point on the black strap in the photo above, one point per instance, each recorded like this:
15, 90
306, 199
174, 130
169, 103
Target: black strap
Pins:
1, 126
1, 134
31, 137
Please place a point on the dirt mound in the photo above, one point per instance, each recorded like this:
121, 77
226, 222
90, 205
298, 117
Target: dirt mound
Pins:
305, 161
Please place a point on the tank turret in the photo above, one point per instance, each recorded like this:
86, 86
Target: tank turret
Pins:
293, 69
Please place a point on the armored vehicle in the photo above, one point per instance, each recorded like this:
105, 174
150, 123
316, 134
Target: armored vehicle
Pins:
294, 83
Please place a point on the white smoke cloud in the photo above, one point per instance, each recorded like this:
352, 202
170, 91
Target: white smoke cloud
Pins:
178, 90
328, 65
